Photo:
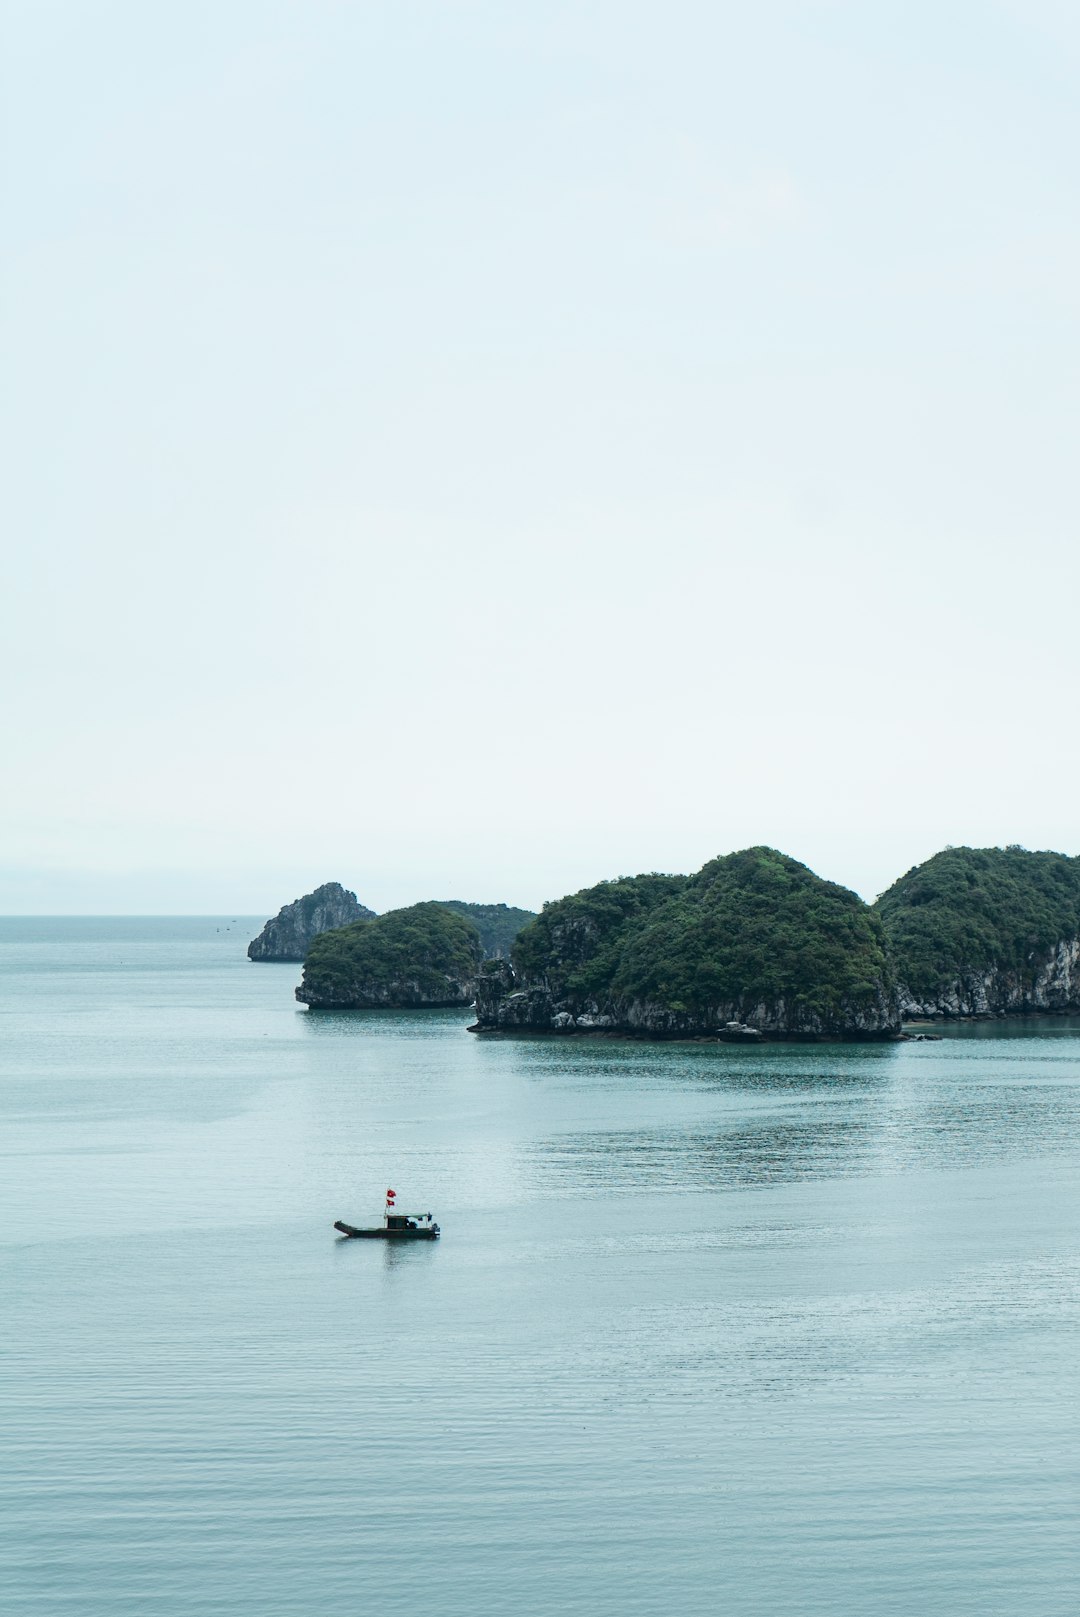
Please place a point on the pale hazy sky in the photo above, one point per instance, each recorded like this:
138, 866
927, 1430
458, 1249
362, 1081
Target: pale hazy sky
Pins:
473, 449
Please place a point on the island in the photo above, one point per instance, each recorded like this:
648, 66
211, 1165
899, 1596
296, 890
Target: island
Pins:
986, 932
288, 936
422, 956
755, 945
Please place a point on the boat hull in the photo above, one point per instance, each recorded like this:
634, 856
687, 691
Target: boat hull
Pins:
381, 1234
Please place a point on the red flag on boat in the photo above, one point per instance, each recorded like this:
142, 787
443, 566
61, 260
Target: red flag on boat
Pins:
390, 1194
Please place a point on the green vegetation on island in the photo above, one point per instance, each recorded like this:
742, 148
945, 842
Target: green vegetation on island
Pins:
754, 935
755, 943
290, 934
576, 942
497, 924
757, 928
969, 914
423, 955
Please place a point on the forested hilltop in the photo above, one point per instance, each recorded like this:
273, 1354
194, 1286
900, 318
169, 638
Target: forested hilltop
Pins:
754, 944
984, 931
424, 955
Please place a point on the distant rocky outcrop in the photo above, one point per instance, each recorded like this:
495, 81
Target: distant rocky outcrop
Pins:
422, 956
289, 935
754, 945
497, 924
986, 932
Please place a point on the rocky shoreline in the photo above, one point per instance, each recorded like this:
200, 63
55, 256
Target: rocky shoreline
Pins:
639, 1036
506, 1005
1050, 986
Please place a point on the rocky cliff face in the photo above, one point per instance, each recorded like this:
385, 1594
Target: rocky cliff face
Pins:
1049, 984
371, 993
505, 1003
289, 935
754, 945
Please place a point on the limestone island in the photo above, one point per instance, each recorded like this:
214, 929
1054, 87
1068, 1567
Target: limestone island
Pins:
755, 945
291, 932
427, 955
978, 932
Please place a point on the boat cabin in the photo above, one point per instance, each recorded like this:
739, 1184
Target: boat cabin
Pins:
408, 1221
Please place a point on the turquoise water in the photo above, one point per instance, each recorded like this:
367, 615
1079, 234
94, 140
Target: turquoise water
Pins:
710, 1329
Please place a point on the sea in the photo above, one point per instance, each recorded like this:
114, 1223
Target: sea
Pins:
710, 1328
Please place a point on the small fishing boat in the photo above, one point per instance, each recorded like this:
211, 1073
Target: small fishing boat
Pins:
395, 1226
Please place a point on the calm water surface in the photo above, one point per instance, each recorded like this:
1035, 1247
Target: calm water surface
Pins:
709, 1330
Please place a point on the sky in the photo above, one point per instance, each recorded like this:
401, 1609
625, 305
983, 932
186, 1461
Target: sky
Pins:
468, 449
